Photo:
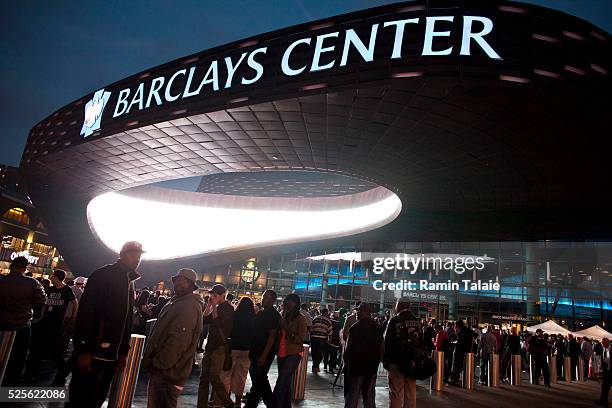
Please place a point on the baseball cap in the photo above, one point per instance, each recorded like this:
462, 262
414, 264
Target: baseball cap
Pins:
132, 246
189, 274
80, 279
218, 289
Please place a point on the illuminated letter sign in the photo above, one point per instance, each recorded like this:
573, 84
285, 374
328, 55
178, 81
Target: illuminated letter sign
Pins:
326, 51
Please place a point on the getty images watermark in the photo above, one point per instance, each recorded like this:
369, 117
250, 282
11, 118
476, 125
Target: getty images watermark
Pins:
459, 264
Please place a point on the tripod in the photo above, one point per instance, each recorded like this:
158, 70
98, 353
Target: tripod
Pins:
338, 374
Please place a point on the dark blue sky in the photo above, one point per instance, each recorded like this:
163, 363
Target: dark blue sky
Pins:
56, 51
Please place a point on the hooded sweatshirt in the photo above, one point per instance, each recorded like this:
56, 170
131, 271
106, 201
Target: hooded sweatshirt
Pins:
170, 348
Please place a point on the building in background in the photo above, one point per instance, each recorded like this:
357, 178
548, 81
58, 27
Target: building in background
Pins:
369, 132
563, 280
22, 230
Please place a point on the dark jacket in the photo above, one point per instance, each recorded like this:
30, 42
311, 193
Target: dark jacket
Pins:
242, 331
465, 339
220, 328
363, 348
403, 342
513, 344
429, 334
104, 318
172, 344
537, 346
573, 348
560, 347
19, 294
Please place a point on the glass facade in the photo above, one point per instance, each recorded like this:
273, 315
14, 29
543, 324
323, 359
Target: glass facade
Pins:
567, 281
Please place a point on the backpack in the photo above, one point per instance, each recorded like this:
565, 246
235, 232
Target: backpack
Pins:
422, 366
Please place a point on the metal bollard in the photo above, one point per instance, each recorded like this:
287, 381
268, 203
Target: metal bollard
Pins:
468, 371
124, 384
298, 384
532, 375
493, 371
437, 380
7, 338
149, 327
567, 369
515, 370
552, 366
580, 369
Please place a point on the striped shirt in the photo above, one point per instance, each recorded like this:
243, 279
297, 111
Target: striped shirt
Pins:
321, 327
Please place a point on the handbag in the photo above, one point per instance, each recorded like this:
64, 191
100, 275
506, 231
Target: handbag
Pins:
420, 366
425, 368
227, 361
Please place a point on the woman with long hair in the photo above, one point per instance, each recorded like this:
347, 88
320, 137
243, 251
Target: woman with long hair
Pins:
241, 341
290, 348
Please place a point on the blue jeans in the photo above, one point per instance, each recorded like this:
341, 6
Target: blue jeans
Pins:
359, 385
281, 396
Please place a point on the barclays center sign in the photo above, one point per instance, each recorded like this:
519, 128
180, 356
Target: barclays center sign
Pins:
438, 36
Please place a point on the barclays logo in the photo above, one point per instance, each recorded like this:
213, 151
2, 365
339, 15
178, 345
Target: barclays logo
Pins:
93, 112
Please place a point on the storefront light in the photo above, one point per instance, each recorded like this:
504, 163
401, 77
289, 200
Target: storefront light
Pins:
116, 218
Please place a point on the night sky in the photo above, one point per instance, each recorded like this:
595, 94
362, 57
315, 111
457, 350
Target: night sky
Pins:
54, 52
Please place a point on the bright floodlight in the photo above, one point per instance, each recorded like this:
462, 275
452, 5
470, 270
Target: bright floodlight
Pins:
169, 230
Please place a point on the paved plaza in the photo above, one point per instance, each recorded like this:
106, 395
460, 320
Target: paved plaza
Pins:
320, 393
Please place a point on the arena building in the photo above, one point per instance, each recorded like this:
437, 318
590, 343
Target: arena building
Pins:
468, 128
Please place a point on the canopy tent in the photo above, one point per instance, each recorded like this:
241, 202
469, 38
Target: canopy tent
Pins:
549, 327
594, 332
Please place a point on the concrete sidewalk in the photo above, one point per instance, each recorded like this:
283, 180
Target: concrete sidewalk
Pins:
319, 394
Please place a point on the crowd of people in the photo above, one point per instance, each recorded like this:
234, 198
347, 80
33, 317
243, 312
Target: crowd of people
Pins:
92, 320
457, 339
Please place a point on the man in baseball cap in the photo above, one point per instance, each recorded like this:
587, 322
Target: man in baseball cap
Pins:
179, 324
188, 274
218, 289
132, 246
106, 307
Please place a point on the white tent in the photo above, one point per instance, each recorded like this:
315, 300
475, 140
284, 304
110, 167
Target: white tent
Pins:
594, 332
549, 327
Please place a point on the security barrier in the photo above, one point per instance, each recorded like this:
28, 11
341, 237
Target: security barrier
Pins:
580, 369
493, 371
7, 339
436, 381
124, 383
567, 369
468, 371
515, 370
298, 384
149, 327
552, 365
